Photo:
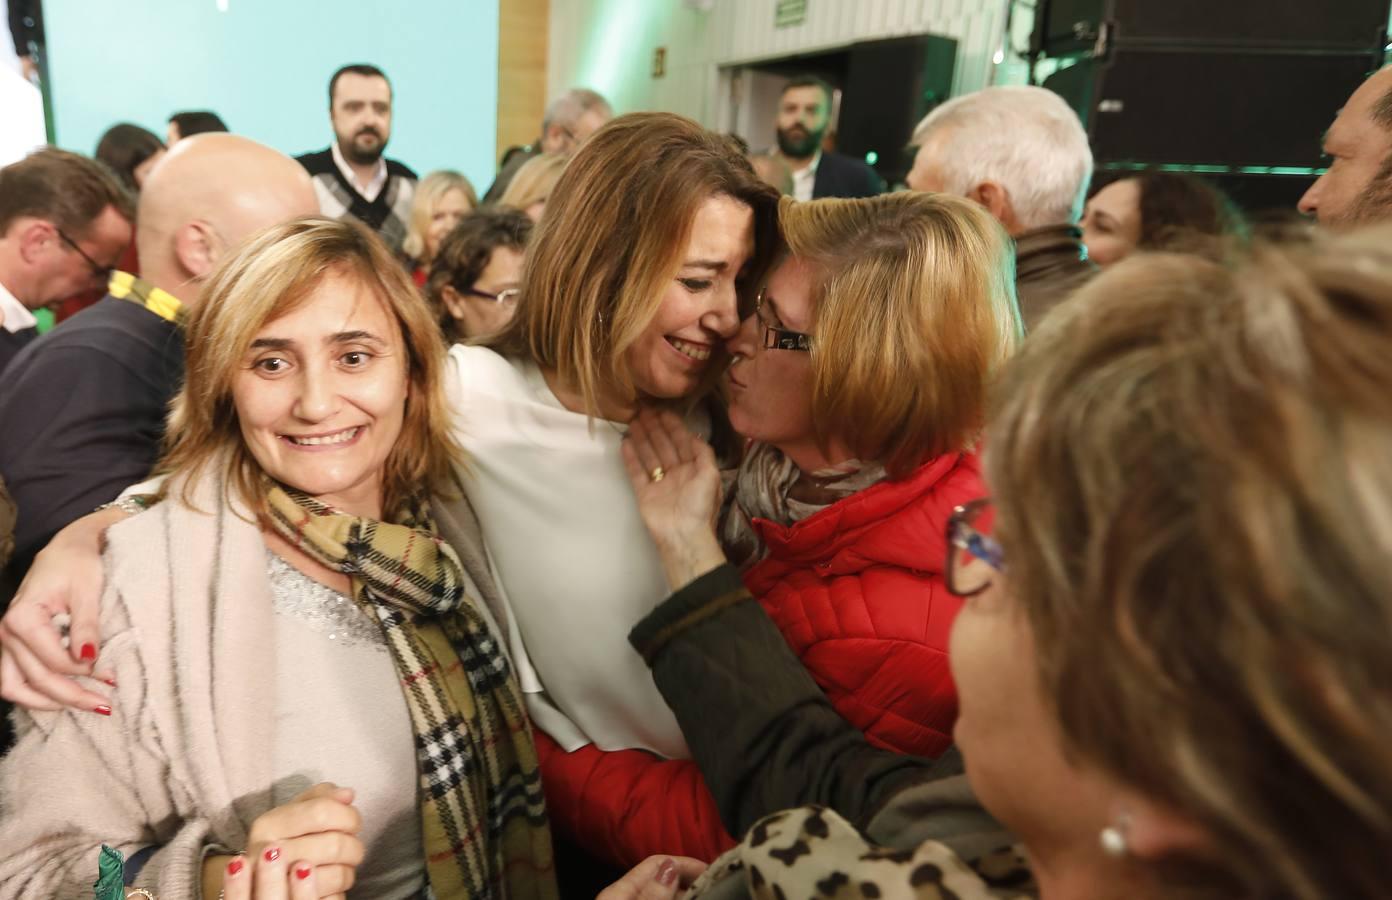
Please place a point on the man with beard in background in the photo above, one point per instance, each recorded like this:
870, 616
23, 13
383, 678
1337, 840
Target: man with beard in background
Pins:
804, 114
1356, 188
352, 177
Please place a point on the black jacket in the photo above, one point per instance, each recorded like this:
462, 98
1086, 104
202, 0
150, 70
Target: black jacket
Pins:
82, 415
26, 24
845, 176
11, 342
519, 158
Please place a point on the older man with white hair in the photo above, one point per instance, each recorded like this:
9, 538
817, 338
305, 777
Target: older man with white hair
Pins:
1022, 153
569, 121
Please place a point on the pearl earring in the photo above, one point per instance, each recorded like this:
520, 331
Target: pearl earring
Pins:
1113, 838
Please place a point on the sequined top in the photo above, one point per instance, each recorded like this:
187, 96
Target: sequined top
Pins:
341, 717
321, 608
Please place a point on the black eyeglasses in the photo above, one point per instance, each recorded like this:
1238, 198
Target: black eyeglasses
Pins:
507, 295
776, 338
973, 556
100, 272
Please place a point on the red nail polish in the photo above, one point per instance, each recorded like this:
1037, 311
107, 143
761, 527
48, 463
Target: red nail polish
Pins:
111, 682
272, 854
235, 866
89, 652
667, 872
102, 710
303, 872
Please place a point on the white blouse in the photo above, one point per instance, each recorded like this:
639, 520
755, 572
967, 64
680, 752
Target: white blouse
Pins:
576, 567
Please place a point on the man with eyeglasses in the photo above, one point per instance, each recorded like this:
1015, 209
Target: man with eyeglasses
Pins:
82, 408
569, 121
64, 221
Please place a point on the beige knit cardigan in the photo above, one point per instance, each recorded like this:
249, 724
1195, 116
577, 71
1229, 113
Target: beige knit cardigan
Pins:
184, 761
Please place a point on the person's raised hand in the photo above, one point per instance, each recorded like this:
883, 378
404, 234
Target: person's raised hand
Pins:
677, 484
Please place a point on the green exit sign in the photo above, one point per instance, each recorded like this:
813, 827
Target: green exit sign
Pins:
790, 12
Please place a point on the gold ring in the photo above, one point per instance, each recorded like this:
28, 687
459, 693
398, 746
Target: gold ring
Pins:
657, 475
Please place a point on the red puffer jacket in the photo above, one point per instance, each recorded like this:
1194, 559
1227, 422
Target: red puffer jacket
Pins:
857, 590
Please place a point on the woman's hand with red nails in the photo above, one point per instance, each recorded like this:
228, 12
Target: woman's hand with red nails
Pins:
66, 578
318, 829
276, 880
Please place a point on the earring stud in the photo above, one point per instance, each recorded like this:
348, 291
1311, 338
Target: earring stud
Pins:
1114, 838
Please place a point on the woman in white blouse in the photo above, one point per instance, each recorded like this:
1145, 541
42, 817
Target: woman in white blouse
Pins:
635, 312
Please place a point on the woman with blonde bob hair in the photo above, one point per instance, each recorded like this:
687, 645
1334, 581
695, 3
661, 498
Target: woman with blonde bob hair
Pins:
1173, 661
531, 187
442, 199
859, 381
288, 620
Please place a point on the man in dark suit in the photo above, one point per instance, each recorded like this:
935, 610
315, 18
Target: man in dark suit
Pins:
804, 114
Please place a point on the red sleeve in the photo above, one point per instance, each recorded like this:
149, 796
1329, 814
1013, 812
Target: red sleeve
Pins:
623, 806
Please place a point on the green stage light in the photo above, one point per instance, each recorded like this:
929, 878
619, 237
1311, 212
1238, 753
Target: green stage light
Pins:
1202, 169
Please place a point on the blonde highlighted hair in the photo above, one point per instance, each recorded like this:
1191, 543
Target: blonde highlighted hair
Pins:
430, 190
535, 181
1193, 471
267, 277
914, 311
612, 239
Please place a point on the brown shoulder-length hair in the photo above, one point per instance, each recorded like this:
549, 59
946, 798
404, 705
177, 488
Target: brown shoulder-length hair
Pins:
914, 311
1184, 213
1192, 465
268, 277
613, 236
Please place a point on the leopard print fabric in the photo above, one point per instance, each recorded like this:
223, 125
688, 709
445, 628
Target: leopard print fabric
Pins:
814, 853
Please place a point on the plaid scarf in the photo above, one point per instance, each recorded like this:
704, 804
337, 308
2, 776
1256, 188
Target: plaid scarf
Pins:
482, 808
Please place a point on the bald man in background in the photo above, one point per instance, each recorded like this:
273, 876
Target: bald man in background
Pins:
83, 410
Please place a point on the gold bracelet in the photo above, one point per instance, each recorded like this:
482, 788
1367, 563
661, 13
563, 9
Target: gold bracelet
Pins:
141, 892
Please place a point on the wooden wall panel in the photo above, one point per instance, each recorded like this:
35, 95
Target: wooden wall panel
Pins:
523, 26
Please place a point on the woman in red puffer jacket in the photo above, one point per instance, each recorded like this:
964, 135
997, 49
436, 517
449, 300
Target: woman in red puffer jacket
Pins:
860, 382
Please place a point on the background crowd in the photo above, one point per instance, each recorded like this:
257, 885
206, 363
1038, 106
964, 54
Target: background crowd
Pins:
681, 503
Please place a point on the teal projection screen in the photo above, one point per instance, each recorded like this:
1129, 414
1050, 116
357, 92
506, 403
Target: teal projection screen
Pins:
264, 66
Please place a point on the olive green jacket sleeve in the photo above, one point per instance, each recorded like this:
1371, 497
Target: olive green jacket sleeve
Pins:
765, 736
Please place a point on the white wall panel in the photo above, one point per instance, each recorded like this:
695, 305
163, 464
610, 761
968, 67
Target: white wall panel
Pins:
609, 44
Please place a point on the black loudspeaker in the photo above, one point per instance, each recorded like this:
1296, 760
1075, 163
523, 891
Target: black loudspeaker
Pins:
1228, 84
890, 85
1229, 108
1069, 27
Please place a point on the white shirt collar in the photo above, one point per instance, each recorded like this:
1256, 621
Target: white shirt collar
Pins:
806, 178
374, 187
17, 316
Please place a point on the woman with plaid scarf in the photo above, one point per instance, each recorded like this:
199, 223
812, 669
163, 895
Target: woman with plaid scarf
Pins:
288, 619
